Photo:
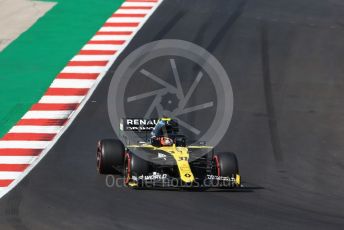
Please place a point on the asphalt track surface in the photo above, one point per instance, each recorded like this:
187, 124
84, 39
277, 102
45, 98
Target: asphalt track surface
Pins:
284, 59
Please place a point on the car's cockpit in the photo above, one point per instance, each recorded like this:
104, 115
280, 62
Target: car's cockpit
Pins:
166, 133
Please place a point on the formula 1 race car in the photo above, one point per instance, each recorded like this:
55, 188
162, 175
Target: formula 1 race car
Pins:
164, 159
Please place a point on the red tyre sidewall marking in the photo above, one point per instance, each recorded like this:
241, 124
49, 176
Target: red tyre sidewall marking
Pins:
217, 162
99, 156
128, 173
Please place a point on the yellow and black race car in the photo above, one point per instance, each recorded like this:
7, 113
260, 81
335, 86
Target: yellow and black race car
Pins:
164, 159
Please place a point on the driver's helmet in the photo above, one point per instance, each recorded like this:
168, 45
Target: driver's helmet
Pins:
165, 141
164, 131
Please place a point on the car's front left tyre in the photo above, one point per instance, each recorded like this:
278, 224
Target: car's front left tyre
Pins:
110, 156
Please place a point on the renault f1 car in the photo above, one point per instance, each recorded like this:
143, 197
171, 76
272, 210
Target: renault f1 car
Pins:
165, 159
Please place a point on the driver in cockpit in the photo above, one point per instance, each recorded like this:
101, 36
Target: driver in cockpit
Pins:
164, 132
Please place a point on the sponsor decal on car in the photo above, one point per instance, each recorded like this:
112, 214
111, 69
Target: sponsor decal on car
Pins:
137, 124
220, 178
161, 155
188, 175
154, 176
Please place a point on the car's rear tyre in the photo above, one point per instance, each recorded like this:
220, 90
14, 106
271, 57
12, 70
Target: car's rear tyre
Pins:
110, 156
134, 166
225, 164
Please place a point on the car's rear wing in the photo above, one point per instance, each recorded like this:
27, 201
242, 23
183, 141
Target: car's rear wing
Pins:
136, 130
138, 124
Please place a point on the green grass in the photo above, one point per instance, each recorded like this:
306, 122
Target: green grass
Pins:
30, 63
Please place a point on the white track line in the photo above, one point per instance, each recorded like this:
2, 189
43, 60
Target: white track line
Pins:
101, 47
35, 129
76, 83
130, 11
24, 144
92, 58
139, 4
116, 29
6, 175
110, 37
62, 99
83, 69
124, 19
17, 159
37, 114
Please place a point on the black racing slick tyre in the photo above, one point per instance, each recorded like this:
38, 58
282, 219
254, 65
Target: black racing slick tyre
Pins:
226, 164
110, 156
134, 166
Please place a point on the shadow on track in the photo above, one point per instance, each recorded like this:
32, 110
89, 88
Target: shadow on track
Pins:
244, 189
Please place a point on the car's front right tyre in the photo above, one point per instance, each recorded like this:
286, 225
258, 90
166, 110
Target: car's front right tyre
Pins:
225, 164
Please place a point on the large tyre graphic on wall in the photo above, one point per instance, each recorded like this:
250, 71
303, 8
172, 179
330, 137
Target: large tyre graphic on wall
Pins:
172, 97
